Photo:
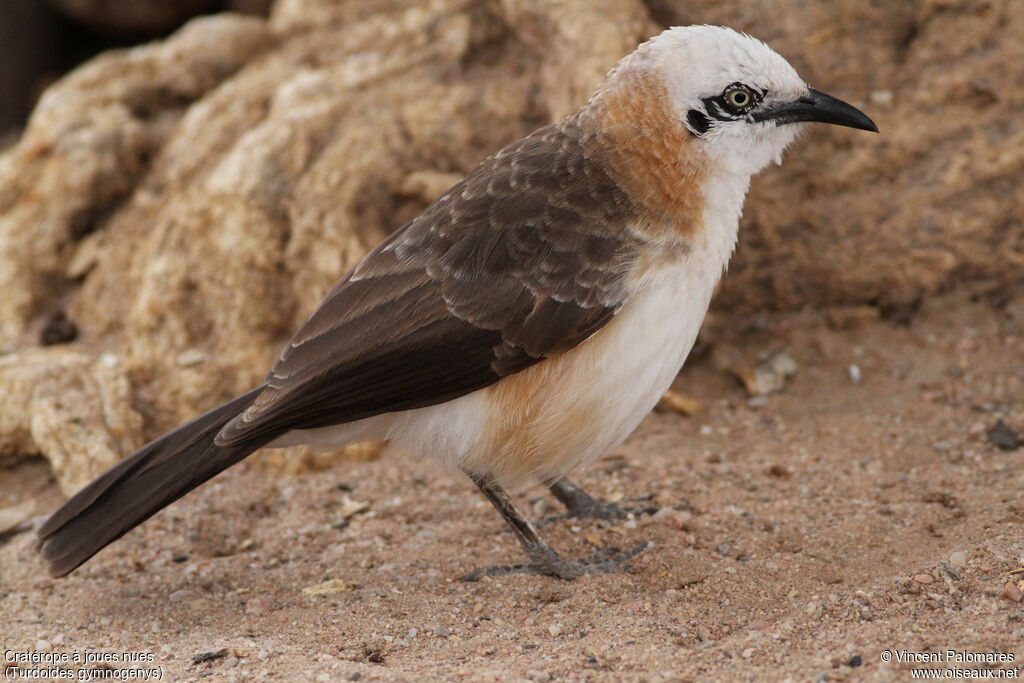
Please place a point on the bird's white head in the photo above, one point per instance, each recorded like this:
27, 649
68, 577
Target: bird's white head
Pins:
741, 101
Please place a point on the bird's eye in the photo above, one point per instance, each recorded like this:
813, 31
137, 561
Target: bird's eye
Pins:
738, 98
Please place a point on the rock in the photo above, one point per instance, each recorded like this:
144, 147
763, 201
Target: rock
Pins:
769, 375
73, 409
1003, 437
855, 373
11, 517
677, 402
1011, 592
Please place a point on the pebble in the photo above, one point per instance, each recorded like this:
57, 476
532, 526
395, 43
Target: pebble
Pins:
950, 571
924, 579
1002, 436
958, 559
191, 357
441, 631
538, 675
882, 97
555, 629
262, 654
1012, 592
43, 645
855, 375
231, 662
176, 596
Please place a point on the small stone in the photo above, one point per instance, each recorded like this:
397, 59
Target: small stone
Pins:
176, 596
262, 654
1002, 436
441, 631
950, 571
231, 662
538, 675
882, 98
555, 629
924, 579
329, 587
190, 358
958, 559
203, 657
355, 676
43, 645
1011, 592
855, 374
676, 402
748, 653
856, 661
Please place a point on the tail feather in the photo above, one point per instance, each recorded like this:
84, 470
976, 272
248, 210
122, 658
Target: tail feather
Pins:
141, 485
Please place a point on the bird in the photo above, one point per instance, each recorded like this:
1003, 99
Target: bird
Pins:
528, 319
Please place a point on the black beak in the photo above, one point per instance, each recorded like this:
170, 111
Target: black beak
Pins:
817, 106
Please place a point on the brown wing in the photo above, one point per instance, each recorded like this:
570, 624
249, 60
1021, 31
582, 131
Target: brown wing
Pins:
525, 258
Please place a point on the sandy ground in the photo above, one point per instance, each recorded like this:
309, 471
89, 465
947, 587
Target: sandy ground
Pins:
800, 536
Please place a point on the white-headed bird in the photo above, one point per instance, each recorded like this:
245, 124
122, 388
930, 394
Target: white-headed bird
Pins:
528, 319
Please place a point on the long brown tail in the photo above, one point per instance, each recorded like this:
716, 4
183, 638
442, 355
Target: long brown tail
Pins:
141, 485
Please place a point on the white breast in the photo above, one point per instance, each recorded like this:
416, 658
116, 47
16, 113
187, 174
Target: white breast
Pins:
567, 411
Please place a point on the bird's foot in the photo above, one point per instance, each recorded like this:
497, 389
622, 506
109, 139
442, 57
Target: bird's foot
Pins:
548, 563
580, 504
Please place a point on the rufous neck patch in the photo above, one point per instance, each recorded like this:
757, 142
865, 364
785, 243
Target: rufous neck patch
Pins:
650, 153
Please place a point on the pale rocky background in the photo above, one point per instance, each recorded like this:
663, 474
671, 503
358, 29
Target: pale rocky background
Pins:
172, 211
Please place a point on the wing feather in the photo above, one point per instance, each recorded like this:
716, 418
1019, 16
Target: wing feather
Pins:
525, 258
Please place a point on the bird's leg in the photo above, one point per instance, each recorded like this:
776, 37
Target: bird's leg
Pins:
578, 503
544, 559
